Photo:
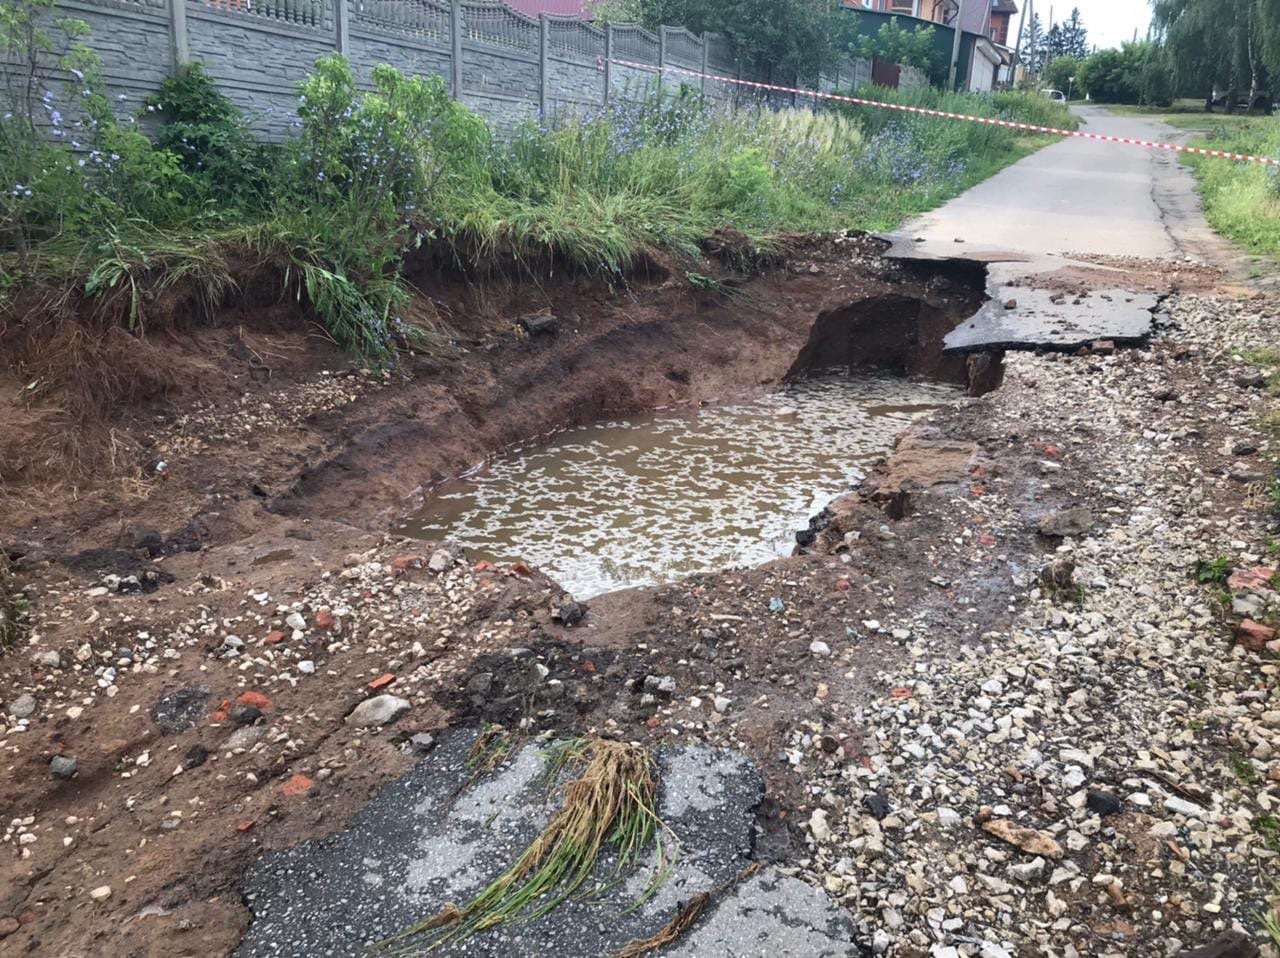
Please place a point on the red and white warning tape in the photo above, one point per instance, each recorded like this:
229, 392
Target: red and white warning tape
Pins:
989, 121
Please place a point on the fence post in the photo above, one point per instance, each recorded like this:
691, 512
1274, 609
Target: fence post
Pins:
455, 38
737, 75
608, 62
703, 87
544, 49
662, 56
342, 26
179, 49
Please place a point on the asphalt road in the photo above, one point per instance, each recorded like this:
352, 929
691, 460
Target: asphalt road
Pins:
1079, 196
1074, 197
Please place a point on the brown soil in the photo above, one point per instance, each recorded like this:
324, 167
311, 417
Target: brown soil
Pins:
228, 457
222, 424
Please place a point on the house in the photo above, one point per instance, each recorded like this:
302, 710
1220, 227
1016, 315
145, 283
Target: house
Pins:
561, 8
1002, 11
985, 59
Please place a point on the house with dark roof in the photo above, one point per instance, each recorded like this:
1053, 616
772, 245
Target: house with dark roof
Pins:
1002, 12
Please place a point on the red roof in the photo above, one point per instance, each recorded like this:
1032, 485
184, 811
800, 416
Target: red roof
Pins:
563, 8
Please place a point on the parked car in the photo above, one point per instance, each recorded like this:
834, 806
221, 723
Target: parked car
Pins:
1259, 101
1057, 96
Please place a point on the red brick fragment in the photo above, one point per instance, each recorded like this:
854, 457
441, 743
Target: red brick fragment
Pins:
382, 681
1254, 636
255, 699
275, 636
298, 785
325, 619
522, 568
1251, 580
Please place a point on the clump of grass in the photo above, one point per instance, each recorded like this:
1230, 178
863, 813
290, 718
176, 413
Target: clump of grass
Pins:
1270, 918
1268, 826
610, 808
1212, 570
12, 608
1243, 769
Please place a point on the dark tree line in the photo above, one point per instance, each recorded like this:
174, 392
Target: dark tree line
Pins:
1228, 46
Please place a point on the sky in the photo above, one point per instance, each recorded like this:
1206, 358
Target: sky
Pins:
1108, 21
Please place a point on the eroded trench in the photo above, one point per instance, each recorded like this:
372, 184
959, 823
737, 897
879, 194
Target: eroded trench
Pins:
643, 499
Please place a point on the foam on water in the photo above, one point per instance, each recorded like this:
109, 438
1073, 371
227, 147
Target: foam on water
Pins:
640, 501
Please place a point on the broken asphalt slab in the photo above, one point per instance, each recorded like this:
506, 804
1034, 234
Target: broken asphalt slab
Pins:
431, 838
1045, 319
1035, 318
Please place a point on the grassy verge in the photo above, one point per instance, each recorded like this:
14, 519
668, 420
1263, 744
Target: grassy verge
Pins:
372, 175
1242, 200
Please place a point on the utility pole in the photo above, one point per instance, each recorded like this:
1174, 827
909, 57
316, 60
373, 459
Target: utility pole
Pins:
955, 45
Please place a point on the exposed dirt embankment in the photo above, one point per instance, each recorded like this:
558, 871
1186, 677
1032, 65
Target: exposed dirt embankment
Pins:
204, 431
198, 532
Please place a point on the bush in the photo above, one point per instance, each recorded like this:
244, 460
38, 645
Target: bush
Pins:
372, 174
203, 128
1060, 72
1133, 74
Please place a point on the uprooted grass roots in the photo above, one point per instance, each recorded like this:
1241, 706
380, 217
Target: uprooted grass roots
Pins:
608, 809
11, 607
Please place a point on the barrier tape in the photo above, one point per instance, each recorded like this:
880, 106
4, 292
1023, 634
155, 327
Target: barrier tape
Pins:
989, 121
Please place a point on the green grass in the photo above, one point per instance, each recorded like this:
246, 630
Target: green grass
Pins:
1243, 769
374, 175
1241, 200
1212, 570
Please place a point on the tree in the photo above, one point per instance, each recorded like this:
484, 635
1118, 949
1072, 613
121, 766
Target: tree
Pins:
1225, 45
798, 38
1059, 73
1055, 45
1075, 38
907, 46
1035, 45
1120, 76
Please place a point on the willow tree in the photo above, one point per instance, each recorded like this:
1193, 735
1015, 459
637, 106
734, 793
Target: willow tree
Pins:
1226, 45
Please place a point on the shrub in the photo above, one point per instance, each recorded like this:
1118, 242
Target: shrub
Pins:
210, 138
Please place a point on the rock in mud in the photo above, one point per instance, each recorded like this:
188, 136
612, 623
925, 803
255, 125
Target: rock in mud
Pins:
195, 756
181, 710
571, 613
47, 660
1104, 803
379, 710
539, 324
660, 685
1066, 522
63, 767
24, 706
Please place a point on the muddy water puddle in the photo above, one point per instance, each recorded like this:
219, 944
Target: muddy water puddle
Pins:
649, 499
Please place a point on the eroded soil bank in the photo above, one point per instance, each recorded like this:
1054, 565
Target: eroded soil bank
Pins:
913, 681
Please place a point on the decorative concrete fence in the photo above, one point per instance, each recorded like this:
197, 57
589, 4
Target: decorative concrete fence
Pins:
501, 63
